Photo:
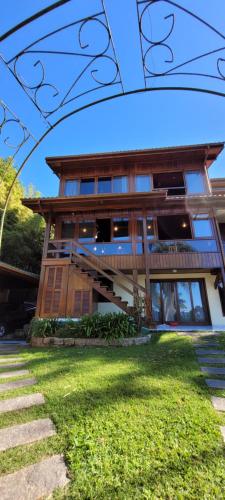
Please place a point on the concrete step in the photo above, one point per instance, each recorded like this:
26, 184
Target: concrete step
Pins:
14, 373
218, 403
17, 384
21, 402
18, 435
38, 481
215, 383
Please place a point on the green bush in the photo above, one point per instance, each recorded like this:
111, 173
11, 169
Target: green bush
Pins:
109, 326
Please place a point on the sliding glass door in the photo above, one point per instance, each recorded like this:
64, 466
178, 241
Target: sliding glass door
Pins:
179, 301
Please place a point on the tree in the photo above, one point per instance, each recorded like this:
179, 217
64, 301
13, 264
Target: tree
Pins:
23, 231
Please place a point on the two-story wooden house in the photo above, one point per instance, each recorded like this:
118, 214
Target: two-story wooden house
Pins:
137, 223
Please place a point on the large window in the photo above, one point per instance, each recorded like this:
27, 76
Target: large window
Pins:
202, 226
172, 227
179, 301
149, 228
120, 184
87, 231
71, 187
143, 183
194, 182
121, 229
172, 181
68, 229
87, 186
104, 185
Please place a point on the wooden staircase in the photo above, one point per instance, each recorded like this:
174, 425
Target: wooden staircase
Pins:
94, 268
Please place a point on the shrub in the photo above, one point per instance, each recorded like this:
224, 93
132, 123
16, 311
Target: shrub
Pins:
109, 326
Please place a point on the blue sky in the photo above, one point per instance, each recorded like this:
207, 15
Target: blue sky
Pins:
138, 121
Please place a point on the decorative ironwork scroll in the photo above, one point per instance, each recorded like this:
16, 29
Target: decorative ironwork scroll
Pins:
166, 51
13, 133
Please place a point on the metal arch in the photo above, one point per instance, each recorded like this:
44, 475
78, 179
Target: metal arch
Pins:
106, 54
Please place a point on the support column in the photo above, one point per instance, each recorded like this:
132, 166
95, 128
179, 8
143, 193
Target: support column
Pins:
42, 274
147, 274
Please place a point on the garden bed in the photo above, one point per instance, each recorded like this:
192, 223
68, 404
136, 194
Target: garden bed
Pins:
88, 342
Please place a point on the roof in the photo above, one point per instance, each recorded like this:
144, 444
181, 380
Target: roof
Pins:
207, 152
9, 271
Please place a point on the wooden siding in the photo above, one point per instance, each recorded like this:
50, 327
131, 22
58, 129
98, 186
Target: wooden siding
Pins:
165, 261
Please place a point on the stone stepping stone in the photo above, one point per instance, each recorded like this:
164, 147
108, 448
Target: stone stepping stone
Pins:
17, 384
7, 353
212, 361
210, 351
14, 373
8, 360
35, 481
12, 365
21, 402
213, 369
215, 384
207, 344
222, 429
17, 435
218, 403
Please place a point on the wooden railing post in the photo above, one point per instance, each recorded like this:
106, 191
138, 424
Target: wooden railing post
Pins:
148, 303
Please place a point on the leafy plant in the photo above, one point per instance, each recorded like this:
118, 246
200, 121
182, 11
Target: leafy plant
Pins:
109, 326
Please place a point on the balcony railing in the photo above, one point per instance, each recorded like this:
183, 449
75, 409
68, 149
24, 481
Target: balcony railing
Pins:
64, 248
197, 246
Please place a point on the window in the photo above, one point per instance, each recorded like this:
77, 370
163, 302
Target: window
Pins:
87, 231
150, 228
104, 185
87, 186
120, 184
120, 229
202, 227
194, 182
67, 230
71, 187
172, 181
174, 227
143, 183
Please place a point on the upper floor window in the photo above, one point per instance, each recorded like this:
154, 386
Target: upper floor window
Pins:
172, 181
143, 183
202, 226
120, 229
104, 185
87, 186
71, 187
120, 184
149, 228
87, 231
194, 182
68, 229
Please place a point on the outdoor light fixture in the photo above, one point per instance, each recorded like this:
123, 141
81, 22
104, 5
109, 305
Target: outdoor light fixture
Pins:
116, 228
149, 227
184, 224
84, 229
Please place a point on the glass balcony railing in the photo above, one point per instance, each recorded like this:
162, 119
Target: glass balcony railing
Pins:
102, 249
198, 246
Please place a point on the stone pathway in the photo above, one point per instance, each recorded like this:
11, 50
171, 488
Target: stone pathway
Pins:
41, 479
204, 345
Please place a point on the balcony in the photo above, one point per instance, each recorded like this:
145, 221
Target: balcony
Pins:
177, 254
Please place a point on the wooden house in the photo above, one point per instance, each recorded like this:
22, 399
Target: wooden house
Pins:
144, 223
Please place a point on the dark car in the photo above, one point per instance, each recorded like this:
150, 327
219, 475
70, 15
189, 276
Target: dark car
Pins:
13, 316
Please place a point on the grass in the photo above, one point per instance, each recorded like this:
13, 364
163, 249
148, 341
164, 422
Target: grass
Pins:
133, 423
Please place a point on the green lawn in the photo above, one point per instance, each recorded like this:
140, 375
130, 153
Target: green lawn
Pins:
133, 423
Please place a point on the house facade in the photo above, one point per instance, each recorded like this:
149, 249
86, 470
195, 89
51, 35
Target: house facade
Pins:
137, 226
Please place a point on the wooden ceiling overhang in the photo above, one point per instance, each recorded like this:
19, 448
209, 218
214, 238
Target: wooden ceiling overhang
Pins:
94, 203
11, 275
129, 201
206, 153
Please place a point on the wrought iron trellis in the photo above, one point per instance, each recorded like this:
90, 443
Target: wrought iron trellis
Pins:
98, 75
